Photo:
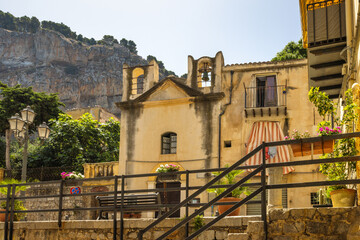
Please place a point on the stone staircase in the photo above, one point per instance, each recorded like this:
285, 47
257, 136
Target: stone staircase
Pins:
231, 228
254, 231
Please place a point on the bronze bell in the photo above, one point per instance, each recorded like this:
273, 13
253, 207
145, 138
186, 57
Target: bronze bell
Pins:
205, 76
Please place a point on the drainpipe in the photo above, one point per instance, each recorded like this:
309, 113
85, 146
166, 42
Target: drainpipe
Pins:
222, 113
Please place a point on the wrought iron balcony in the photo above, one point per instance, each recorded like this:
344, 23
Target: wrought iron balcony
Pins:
265, 100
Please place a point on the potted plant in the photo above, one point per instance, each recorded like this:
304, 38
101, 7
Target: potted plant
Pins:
18, 204
168, 172
341, 196
304, 149
234, 196
72, 177
198, 222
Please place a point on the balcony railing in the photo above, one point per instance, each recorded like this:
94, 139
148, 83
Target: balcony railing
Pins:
326, 22
265, 97
103, 169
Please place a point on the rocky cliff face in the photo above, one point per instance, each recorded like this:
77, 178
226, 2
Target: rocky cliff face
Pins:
82, 75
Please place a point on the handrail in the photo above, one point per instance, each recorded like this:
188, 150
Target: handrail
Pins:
224, 214
265, 87
206, 186
11, 197
225, 193
264, 186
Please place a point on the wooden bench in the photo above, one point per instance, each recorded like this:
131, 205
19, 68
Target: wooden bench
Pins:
132, 203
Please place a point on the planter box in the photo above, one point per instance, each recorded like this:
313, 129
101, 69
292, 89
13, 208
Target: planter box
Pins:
304, 149
168, 177
72, 182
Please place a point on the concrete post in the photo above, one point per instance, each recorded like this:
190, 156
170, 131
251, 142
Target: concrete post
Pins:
275, 195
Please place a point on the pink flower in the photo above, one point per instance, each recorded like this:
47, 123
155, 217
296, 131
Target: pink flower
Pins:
327, 128
286, 137
321, 129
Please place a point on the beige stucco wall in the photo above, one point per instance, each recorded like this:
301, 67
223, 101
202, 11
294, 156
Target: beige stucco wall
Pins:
100, 114
168, 110
196, 124
300, 115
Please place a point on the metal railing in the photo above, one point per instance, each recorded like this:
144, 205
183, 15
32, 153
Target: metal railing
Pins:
119, 191
41, 174
264, 186
263, 97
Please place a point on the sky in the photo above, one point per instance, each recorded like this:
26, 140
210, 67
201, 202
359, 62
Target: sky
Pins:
170, 30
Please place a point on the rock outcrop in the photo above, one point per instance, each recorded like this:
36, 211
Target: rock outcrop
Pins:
82, 75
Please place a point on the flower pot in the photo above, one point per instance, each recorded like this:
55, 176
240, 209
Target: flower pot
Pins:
343, 197
168, 177
223, 208
304, 149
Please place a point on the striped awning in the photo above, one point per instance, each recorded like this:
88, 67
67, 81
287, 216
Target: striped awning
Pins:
268, 132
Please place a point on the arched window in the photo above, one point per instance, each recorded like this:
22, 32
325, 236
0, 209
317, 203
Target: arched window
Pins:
168, 143
140, 84
137, 81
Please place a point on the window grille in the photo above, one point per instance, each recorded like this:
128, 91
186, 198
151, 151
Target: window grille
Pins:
314, 198
169, 143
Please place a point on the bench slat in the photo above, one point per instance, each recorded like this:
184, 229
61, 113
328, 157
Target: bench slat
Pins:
133, 202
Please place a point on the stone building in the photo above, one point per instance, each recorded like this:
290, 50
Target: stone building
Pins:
213, 118
99, 113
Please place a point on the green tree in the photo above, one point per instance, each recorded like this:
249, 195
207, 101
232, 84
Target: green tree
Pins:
132, 47
7, 21
124, 42
14, 99
291, 51
184, 75
162, 70
80, 38
59, 27
34, 24
75, 142
23, 24
108, 40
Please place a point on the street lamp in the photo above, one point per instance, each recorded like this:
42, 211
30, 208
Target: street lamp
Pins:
16, 123
20, 127
28, 115
44, 131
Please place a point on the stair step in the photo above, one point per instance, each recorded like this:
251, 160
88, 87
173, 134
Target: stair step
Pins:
255, 230
238, 236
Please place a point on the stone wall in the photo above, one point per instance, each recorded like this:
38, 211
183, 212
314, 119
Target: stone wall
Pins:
291, 224
49, 202
103, 229
314, 223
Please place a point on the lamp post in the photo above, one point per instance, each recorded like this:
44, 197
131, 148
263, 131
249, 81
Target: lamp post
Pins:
20, 127
44, 131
